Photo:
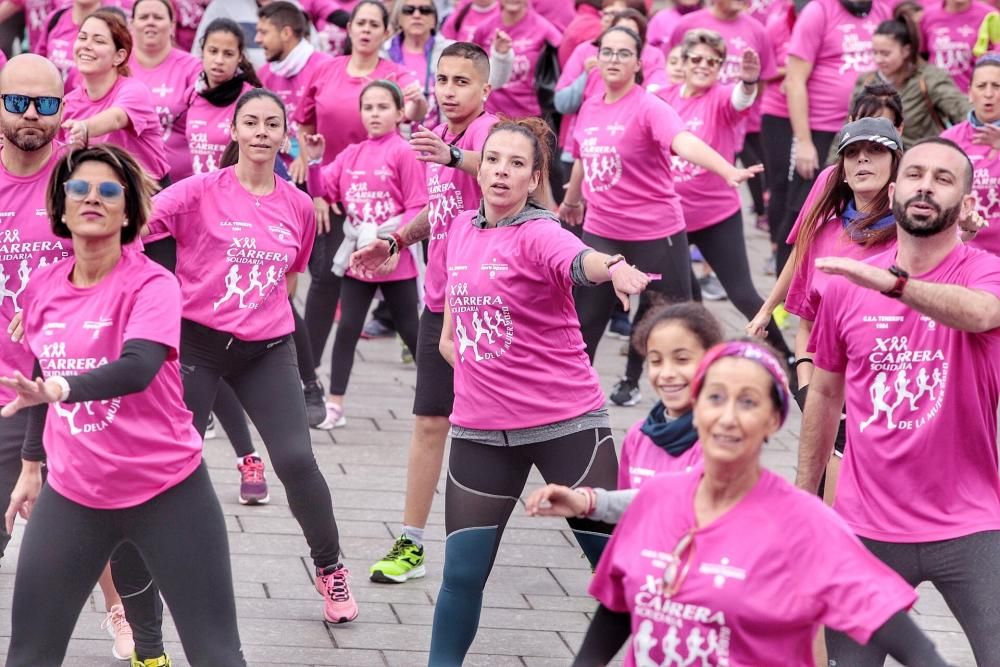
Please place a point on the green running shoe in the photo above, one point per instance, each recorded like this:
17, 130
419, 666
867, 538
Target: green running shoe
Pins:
404, 561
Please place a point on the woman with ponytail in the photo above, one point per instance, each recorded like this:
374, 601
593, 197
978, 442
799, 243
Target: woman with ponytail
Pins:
512, 334
931, 100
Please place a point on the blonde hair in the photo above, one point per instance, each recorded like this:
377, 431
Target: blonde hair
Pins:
709, 38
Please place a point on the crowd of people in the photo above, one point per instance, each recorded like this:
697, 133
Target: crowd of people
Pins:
506, 178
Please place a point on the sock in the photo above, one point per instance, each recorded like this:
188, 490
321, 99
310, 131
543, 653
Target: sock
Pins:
414, 534
239, 459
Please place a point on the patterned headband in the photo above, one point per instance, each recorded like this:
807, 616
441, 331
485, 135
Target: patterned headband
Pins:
754, 352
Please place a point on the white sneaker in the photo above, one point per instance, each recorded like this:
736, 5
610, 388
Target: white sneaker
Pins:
334, 417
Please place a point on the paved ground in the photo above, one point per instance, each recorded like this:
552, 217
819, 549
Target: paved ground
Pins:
536, 607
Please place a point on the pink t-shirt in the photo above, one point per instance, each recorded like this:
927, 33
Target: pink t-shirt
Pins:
331, 35
628, 180
417, 63
115, 453
949, 38
757, 588
517, 98
170, 83
234, 250
773, 102
473, 18
516, 333
661, 27
985, 184
144, 136
27, 244
906, 477
839, 46
449, 192
57, 44
706, 197
291, 90
376, 180
36, 18
208, 130
332, 101
557, 12
740, 34
641, 459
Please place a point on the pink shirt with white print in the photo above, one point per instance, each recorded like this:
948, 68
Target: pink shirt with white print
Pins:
170, 83
754, 589
706, 197
376, 180
641, 459
628, 180
57, 44
838, 44
332, 101
208, 130
661, 27
449, 192
912, 384
37, 14
949, 38
27, 245
517, 98
473, 18
332, 37
514, 324
773, 102
985, 183
291, 89
143, 137
234, 250
120, 452
742, 33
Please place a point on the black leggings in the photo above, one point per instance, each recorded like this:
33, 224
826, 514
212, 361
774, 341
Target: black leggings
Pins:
753, 153
265, 376
778, 168
798, 190
324, 287
963, 570
484, 484
669, 256
12, 431
724, 248
303, 348
181, 535
355, 300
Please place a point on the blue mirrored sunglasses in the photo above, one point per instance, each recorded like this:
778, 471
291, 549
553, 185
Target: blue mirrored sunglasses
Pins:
44, 105
78, 189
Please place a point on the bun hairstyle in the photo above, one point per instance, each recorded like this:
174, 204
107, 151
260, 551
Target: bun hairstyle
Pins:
903, 29
538, 133
117, 23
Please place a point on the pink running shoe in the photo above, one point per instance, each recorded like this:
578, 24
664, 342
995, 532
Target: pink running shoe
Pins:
253, 486
331, 583
120, 631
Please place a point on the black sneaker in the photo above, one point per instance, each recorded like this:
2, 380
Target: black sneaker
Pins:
315, 402
625, 393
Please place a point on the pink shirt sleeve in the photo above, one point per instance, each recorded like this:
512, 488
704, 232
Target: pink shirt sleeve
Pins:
329, 181
624, 460
305, 111
553, 249
573, 67
808, 33
171, 206
307, 232
826, 341
137, 103
156, 312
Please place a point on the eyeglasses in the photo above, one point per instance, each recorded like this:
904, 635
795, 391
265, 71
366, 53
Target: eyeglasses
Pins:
708, 60
77, 189
620, 55
423, 10
44, 105
679, 564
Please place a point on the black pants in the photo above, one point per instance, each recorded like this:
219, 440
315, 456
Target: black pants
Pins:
265, 376
798, 190
669, 256
753, 153
355, 300
724, 248
963, 570
484, 484
778, 169
303, 348
181, 535
11, 438
324, 288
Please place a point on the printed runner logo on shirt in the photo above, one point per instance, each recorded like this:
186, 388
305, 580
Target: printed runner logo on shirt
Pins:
857, 50
986, 188
86, 416
12, 249
602, 165
444, 202
250, 286
482, 324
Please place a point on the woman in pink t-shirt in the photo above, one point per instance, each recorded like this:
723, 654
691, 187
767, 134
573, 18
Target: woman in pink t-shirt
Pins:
57, 33
625, 142
699, 571
381, 186
124, 460
242, 237
226, 74
109, 106
169, 72
511, 333
462, 23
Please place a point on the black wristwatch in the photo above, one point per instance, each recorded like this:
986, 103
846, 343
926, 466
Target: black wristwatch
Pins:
456, 156
902, 276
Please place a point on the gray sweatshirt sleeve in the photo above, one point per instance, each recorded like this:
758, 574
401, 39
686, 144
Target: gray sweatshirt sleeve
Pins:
612, 504
570, 98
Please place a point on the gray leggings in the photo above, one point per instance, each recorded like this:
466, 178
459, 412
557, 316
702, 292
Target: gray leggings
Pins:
963, 569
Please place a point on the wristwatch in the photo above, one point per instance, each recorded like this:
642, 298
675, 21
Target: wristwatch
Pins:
902, 276
456, 156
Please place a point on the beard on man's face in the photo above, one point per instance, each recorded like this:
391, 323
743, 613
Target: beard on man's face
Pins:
26, 137
930, 221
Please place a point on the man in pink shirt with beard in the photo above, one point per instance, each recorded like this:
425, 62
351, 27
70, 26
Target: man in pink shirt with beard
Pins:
919, 359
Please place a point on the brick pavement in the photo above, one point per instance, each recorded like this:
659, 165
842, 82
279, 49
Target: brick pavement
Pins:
536, 607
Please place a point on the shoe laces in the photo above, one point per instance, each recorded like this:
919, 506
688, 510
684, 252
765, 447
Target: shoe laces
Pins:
336, 585
252, 470
397, 549
117, 621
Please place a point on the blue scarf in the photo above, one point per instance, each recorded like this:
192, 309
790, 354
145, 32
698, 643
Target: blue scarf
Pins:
851, 214
675, 436
975, 122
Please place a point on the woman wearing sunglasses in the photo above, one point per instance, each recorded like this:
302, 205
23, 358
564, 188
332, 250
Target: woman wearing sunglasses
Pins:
109, 106
124, 460
623, 143
700, 570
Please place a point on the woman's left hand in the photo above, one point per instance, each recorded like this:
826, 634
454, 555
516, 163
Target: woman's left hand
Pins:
737, 176
750, 66
29, 393
628, 280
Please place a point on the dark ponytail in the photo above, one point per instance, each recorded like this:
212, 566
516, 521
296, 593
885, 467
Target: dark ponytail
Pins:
903, 29
244, 69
